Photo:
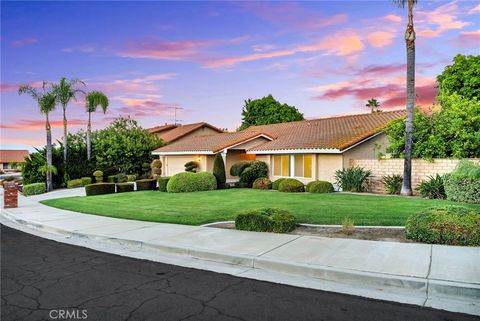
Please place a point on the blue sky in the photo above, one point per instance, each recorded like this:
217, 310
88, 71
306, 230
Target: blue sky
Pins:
324, 57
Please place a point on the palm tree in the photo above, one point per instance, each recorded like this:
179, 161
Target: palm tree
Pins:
373, 104
47, 102
410, 42
93, 100
65, 91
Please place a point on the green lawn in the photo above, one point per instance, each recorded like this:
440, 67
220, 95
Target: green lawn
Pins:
206, 207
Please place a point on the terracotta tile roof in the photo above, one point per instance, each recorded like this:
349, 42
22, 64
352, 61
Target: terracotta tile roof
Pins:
326, 133
170, 133
13, 155
211, 143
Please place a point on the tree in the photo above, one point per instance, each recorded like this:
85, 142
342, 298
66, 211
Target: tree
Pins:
65, 91
219, 171
410, 43
123, 147
92, 101
463, 77
46, 101
373, 104
267, 110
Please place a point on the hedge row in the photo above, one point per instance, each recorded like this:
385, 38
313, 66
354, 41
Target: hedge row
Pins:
191, 182
266, 220
34, 189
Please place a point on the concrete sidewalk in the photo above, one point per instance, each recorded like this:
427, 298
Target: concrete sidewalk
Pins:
444, 277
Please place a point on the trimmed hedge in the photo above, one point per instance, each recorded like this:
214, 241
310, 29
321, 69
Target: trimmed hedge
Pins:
191, 182
125, 187
276, 183
34, 189
237, 168
452, 225
463, 184
266, 220
98, 176
219, 171
121, 178
262, 183
162, 183
191, 166
74, 183
319, 187
111, 178
99, 189
86, 181
257, 169
131, 178
146, 184
291, 185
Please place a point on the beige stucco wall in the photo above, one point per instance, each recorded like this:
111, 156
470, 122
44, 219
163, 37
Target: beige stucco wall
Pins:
327, 164
366, 150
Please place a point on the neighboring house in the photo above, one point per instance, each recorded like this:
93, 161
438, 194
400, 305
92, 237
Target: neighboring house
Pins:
11, 158
173, 132
307, 150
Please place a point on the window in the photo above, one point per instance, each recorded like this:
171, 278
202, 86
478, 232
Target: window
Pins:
301, 166
281, 165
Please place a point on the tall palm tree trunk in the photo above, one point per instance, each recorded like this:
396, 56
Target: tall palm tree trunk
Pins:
89, 129
49, 154
65, 133
410, 42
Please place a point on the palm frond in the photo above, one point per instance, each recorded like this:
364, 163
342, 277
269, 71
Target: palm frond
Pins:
95, 99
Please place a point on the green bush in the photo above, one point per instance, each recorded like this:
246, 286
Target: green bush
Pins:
111, 178
162, 183
156, 167
463, 184
262, 183
257, 169
266, 220
98, 176
125, 187
240, 185
146, 184
432, 187
74, 183
191, 182
34, 189
319, 187
353, 179
291, 185
237, 168
191, 166
99, 189
131, 178
121, 178
452, 225
219, 171
86, 181
276, 183
393, 183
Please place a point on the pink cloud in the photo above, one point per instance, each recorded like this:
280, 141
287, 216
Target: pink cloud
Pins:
442, 19
24, 42
475, 9
165, 50
7, 87
138, 85
393, 18
468, 38
35, 124
82, 49
145, 108
381, 38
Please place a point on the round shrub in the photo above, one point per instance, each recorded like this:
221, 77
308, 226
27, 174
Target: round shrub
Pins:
319, 187
463, 184
452, 225
125, 187
276, 183
191, 166
86, 181
191, 182
34, 189
262, 183
162, 183
146, 184
111, 178
291, 185
131, 178
98, 176
99, 189
237, 168
74, 183
121, 178
256, 170
266, 220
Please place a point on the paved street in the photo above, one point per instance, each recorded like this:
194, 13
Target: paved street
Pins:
40, 275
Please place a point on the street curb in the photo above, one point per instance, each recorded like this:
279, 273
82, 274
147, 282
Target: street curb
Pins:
415, 286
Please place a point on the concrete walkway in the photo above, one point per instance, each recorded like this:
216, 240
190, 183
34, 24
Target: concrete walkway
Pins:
444, 277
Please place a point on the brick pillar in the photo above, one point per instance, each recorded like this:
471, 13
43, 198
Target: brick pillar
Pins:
10, 195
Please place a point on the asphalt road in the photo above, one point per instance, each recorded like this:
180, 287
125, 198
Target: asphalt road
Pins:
46, 280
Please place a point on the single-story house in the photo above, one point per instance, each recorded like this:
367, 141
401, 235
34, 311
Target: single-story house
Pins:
174, 132
11, 158
307, 150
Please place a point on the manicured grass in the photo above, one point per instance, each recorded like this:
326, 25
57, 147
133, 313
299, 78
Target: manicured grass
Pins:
212, 206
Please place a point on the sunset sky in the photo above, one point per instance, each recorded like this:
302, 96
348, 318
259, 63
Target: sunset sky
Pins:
325, 57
